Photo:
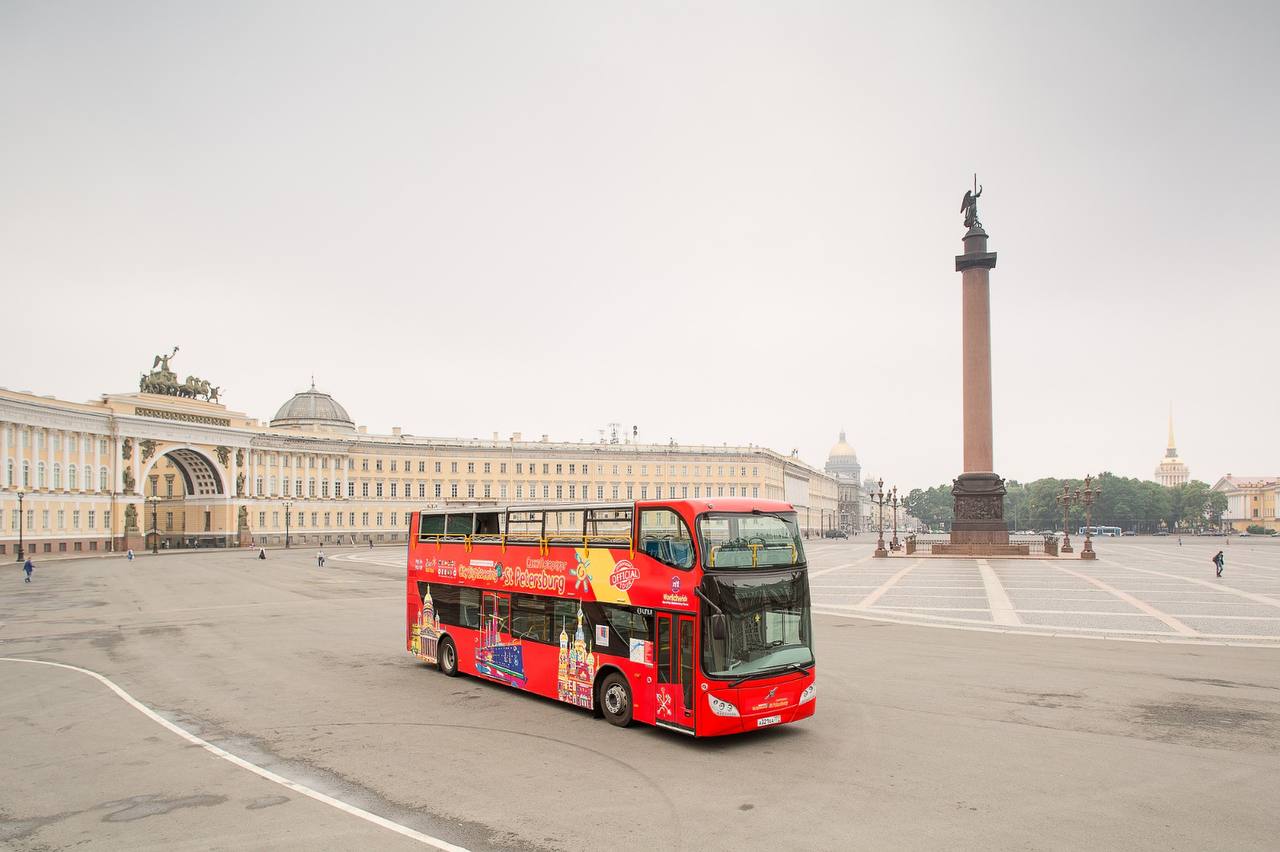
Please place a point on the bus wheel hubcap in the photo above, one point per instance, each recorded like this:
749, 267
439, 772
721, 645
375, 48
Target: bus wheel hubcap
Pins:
615, 699
448, 657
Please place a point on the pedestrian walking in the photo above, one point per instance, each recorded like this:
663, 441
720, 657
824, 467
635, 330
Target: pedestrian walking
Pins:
262, 553
371, 544
27, 568
320, 559
1220, 562
129, 555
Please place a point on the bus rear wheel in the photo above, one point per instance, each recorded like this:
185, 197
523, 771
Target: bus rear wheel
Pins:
615, 700
448, 660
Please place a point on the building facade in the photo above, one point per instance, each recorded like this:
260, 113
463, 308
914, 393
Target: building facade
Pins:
842, 465
1171, 471
1251, 501
159, 469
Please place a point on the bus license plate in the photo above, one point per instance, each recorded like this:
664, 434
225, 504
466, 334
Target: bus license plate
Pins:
767, 720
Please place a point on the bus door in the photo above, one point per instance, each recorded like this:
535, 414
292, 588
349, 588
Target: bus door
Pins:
674, 646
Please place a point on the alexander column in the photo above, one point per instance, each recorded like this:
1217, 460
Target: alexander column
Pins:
979, 526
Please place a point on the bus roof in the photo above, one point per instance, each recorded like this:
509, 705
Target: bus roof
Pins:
716, 504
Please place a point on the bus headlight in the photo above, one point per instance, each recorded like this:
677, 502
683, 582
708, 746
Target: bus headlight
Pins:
721, 707
810, 692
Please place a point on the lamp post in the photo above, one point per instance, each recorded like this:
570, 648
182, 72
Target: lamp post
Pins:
893, 543
287, 506
1064, 500
1088, 495
877, 499
155, 524
22, 517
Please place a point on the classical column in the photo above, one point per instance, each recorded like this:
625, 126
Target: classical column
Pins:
978, 491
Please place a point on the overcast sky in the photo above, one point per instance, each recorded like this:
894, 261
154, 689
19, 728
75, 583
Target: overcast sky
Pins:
721, 222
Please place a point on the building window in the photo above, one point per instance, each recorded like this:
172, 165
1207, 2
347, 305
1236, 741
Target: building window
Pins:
71, 477
378, 465
311, 487
437, 489
559, 469
422, 489
315, 516
262, 520
422, 467
453, 490
644, 492
351, 488
720, 491
324, 488
487, 495
437, 467
44, 514
62, 519
755, 491
572, 489
364, 489
599, 492
340, 516
502, 468
471, 490
326, 519
8, 473
684, 491
546, 491
364, 519
486, 470
393, 490
453, 467
615, 492
26, 474
519, 467
379, 519
559, 491
40, 478
628, 470
697, 491
471, 467
502, 491
657, 492
630, 492
393, 465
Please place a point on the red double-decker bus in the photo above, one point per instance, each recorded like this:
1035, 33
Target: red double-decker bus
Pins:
688, 614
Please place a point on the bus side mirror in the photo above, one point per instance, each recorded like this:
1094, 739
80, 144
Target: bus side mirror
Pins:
718, 627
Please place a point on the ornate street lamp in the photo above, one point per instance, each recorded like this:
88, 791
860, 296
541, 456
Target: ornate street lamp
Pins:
287, 506
893, 543
1088, 495
1064, 500
22, 517
877, 499
155, 523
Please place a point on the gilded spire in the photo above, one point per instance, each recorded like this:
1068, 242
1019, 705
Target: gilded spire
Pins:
1171, 451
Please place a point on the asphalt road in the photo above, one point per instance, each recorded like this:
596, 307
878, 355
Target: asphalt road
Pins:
924, 737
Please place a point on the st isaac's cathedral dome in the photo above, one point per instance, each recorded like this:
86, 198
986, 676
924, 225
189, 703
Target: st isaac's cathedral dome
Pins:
843, 461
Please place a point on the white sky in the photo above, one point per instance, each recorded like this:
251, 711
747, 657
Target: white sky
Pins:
717, 221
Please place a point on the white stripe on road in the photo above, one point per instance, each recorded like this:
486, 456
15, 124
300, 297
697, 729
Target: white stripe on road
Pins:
887, 585
1002, 611
813, 574
252, 767
1173, 623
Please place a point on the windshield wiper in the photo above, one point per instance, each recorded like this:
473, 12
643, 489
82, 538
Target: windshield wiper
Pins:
767, 672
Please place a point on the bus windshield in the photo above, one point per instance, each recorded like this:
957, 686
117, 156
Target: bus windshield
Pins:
765, 624
750, 540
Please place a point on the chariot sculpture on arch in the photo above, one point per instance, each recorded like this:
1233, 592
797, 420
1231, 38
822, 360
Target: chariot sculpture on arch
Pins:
162, 380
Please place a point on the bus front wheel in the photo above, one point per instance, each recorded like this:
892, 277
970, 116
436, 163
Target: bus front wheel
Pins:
448, 658
615, 700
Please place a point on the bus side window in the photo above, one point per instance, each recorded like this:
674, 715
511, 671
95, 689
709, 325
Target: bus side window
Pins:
664, 650
469, 608
430, 525
664, 536
459, 524
487, 523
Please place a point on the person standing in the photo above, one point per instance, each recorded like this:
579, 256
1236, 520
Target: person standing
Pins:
371, 542
1220, 562
320, 559
129, 555
27, 568
262, 553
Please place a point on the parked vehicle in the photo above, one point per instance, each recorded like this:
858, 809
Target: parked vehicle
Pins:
835, 534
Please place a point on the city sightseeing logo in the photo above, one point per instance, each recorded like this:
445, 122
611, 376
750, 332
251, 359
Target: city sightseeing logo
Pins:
674, 598
624, 575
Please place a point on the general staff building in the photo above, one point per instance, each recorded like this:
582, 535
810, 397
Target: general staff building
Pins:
164, 468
